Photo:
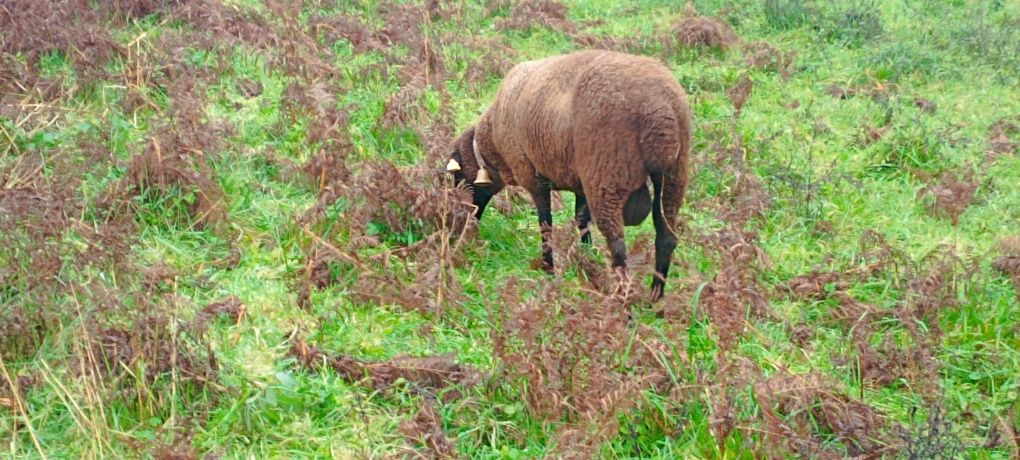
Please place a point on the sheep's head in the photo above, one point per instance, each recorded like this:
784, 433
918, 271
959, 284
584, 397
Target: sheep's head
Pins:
463, 167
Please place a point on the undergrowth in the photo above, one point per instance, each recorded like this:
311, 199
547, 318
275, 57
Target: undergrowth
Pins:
226, 231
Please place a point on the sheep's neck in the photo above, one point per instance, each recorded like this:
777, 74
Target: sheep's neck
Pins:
499, 170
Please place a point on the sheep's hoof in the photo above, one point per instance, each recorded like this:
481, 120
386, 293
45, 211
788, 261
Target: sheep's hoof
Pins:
539, 264
657, 291
547, 262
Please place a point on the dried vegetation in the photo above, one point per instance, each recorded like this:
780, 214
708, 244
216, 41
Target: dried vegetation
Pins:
569, 359
1009, 262
802, 410
429, 374
703, 32
950, 197
763, 56
425, 436
531, 13
1004, 136
575, 351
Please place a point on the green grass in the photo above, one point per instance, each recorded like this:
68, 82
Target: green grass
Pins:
264, 406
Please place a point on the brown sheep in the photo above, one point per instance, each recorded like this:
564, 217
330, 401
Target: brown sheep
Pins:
600, 124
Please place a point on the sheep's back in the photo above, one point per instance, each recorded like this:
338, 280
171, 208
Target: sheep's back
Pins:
532, 120
568, 115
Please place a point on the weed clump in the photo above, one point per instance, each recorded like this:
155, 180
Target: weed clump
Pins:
180, 449
933, 287
32, 218
174, 159
950, 197
71, 28
530, 13
328, 171
855, 25
935, 438
871, 134
1004, 135
786, 14
230, 308
925, 104
314, 103
425, 429
702, 32
429, 373
911, 148
763, 56
395, 199
990, 37
349, 28
887, 364
148, 350
383, 204
736, 291
929, 284
163, 167
402, 23
569, 358
814, 285
1009, 262
901, 59
44, 246
739, 93
800, 409
492, 58
747, 198
14, 389
231, 24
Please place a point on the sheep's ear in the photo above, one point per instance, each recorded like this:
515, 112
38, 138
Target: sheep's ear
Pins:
452, 166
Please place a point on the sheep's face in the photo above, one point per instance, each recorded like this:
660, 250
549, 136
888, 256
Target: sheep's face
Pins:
463, 169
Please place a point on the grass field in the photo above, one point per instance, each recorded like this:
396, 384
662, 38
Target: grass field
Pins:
224, 233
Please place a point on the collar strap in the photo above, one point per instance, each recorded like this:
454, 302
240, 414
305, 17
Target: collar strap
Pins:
478, 156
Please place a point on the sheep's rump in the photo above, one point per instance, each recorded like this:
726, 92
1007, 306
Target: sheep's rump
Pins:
592, 119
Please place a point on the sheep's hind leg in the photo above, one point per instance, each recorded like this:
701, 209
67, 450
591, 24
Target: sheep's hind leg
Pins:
543, 202
607, 210
582, 215
665, 205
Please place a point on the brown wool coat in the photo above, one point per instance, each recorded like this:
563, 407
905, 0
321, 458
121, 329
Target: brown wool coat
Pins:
598, 123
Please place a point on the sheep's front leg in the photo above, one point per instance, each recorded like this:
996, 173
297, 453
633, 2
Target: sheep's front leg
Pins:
582, 215
543, 202
618, 250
